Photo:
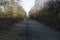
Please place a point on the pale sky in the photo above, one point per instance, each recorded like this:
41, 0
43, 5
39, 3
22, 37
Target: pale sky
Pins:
27, 4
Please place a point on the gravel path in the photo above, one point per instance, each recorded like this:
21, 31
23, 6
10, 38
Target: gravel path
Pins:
29, 30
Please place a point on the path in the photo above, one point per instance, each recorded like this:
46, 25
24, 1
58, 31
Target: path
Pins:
29, 30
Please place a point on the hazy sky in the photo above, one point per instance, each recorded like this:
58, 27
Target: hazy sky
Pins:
27, 4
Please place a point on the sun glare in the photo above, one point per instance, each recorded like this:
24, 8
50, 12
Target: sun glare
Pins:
27, 5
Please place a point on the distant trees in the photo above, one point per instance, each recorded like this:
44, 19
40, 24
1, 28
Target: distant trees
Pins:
49, 14
11, 14
54, 8
11, 10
